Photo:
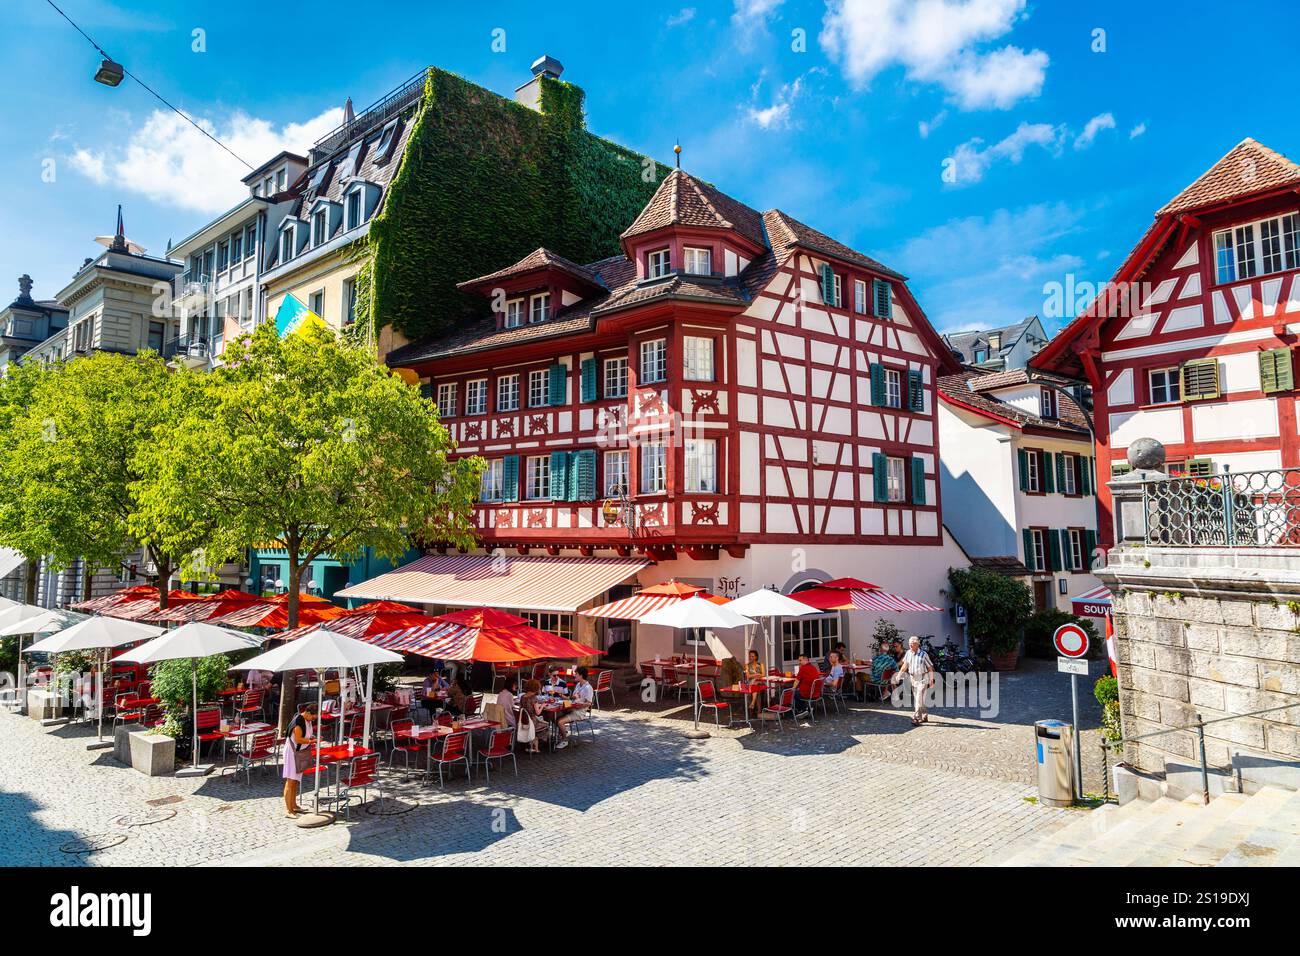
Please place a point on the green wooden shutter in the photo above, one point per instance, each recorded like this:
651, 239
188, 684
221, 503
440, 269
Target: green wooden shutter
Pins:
589, 380
1275, 373
582, 476
918, 481
559, 476
882, 299
555, 386
1089, 547
1061, 465
1024, 468
880, 476
1199, 467
877, 384
1053, 550
915, 391
1028, 536
1048, 471
1085, 475
510, 478
828, 284
1200, 379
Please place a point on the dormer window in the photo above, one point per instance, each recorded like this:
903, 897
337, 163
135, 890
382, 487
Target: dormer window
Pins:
981, 355
1047, 403
697, 262
282, 179
319, 227
286, 245
268, 187
514, 313
658, 264
539, 308
354, 209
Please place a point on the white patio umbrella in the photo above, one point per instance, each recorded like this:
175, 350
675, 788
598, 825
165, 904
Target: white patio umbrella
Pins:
770, 604
193, 640
320, 651
19, 620
96, 633
696, 612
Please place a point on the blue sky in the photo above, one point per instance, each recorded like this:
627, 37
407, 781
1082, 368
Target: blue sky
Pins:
1059, 141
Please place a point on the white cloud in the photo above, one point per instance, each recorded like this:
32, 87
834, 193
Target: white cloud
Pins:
1137, 131
777, 115
1094, 126
936, 41
926, 127
750, 18
685, 15
971, 160
978, 271
173, 164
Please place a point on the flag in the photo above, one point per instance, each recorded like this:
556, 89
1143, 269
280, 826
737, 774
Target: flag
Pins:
293, 315
1110, 646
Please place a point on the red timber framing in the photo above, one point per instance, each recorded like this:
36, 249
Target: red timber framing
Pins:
1187, 312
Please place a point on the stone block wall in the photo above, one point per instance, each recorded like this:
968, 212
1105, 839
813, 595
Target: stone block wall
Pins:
1207, 631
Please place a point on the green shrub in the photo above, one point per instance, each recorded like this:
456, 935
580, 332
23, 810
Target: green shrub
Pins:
997, 607
173, 681
1042, 625
1110, 725
75, 662
1106, 690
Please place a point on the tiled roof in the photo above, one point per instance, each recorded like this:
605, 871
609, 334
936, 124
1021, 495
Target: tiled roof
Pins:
540, 258
683, 200
972, 388
1008, 565
1249, 167
793, 232
1008, 336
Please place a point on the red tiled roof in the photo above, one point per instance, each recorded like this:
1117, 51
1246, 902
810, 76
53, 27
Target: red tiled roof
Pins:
792, 232
683, 200
1249, 167
970, 389
538, 259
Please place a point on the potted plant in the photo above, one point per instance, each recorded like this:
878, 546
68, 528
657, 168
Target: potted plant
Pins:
997, 609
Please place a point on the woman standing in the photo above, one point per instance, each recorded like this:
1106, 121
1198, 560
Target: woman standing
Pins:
297, 755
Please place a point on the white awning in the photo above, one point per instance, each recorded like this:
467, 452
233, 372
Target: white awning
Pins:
10, 561
1094, 603
535, 583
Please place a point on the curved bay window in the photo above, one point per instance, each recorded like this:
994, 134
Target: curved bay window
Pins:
814, 636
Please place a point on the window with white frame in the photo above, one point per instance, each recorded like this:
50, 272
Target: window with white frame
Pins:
552, 622
492, 484
318, 303
658, 263
539, 307
698, 358
1038, 537
1076, 550
1033, 477
697, 262
654, 361
319, 226
349, 301
893, 388
538, 388
654, 468
1257, 248
616, 472
896, 479
508, 392
1046, 403
839, 290
538, 480
237, 248
860, 296
1068, 483
616, 377
814, 637
1163, 385
250, 241
701, 462
446, 399
223, 256
476, 396
514, 313
286, 245
354, 208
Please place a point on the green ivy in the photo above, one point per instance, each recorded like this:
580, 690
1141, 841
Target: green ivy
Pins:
483, 182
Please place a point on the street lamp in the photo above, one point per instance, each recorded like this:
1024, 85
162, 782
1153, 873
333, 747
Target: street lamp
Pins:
109, 73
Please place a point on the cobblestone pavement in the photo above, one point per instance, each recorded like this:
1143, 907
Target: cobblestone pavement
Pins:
849, 790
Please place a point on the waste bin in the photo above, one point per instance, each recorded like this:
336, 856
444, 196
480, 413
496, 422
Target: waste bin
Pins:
1054, 742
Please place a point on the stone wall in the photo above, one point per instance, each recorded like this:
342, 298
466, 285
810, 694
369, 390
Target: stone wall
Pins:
1208, 631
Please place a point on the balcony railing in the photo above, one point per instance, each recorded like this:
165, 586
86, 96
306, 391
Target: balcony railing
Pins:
1245, 509
187, 347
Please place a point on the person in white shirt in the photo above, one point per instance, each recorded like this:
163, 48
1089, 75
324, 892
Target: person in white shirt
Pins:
506, 700
582, 700
920, 672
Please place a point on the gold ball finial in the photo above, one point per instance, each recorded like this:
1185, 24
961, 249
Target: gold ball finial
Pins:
678, 148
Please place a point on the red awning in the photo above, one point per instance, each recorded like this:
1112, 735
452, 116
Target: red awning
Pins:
535, 583
1094, 603
642, 603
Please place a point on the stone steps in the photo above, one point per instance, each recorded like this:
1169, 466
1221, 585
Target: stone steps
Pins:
1262, 829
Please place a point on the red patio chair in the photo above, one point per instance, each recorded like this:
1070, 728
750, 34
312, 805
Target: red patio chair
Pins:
709, 698
815, 696
501, 744
250, 704
499, 673
786, 706
648, 673
446, 720
671, 681
604, 685
125, 710
261, 749
356, 726
207, 721
472, 704
455, 749
359, 773
403, 744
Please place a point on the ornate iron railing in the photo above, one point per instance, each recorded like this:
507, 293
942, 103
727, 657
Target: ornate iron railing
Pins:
1245, 509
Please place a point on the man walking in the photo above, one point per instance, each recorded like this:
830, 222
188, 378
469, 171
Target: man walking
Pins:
920, 673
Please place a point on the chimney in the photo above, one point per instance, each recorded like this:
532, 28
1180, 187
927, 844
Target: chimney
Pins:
530, 94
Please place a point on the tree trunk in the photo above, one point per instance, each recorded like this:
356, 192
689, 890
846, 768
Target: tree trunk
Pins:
288, 685
33, 569
164, 567
87, 576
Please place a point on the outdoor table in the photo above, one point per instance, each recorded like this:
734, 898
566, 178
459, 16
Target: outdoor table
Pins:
335, 756
744, 691
239, 733
437, 732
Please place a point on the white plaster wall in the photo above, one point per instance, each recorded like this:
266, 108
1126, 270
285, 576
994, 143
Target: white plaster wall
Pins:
978, 482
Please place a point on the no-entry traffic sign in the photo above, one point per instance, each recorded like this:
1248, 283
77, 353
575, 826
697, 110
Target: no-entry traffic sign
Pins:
1071, 640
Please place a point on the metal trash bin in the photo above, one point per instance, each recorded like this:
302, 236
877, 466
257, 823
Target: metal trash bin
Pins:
1054, 742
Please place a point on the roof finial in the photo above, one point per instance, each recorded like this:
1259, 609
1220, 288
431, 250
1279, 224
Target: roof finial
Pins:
678, 150
119, 238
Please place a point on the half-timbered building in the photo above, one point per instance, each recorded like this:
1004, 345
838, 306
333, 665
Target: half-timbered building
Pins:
738, 400
1193, 341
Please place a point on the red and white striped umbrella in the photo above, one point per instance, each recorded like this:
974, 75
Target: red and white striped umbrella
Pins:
650, 599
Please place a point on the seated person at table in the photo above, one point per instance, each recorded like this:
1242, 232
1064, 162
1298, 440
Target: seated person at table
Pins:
555, 682
804, 677
835, 675
457, 695
506, 700
429, 692
754, 672
530, 712
582, 697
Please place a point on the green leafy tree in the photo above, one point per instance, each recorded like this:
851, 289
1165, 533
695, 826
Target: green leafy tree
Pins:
997, 607
71, 460
16, 387
309, 444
